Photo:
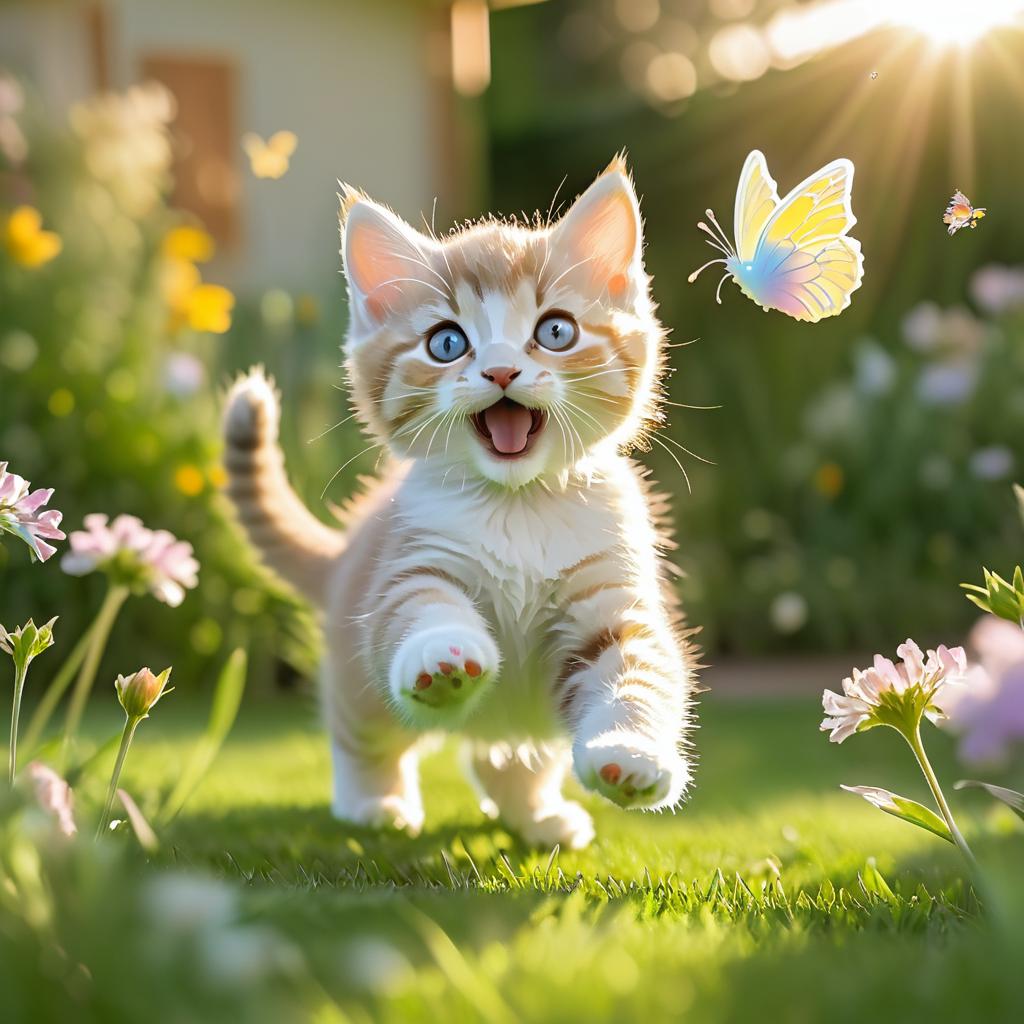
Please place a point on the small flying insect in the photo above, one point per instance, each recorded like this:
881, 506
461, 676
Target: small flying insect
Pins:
960, 214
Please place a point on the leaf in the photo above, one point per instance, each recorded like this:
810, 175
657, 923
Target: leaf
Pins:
142, 829
227, 697
1010, 797
904, 809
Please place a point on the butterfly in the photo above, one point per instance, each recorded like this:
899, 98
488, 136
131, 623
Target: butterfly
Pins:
791, 254
269, 159
959, 213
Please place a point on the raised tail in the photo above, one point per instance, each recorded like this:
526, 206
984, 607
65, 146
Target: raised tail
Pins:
293, 542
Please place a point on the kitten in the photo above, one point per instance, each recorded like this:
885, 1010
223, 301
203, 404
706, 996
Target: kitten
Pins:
504, 578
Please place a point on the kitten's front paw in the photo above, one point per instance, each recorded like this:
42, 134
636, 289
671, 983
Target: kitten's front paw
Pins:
439, 673
630, 771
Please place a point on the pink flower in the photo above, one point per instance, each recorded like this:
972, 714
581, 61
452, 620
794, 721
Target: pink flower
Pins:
997, 288
147, 560
22, 514
53, 795
920, 680
989, 715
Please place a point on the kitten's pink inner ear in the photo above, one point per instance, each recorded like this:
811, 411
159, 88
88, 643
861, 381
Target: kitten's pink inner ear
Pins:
601, 232
381, 260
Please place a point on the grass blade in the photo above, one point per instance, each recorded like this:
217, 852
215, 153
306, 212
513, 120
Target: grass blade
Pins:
227, 698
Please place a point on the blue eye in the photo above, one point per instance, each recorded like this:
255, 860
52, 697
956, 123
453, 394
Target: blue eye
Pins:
447, 343
557, 331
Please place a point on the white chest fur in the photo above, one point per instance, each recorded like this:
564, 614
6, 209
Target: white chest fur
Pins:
511, 549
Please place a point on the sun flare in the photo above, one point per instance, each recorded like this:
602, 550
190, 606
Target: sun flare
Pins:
952, 22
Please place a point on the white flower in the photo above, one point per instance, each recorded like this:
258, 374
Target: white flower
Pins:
788, 612
993, 463
918, 681
184, 374
874, 369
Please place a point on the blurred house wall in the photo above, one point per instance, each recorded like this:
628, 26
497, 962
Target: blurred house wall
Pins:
364, 86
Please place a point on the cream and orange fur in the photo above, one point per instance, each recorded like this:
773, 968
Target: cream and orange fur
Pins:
522, 601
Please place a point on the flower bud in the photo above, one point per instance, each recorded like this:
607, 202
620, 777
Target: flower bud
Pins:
26, 642
139, 692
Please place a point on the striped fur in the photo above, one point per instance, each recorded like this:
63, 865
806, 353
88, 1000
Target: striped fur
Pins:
525, 602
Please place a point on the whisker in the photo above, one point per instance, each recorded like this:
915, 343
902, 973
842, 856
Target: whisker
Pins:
580, 380
410, 280
335, 426
683, 405
336, 473
675, 459
426, 266
574, 436
568, 270
693, 455
450, 412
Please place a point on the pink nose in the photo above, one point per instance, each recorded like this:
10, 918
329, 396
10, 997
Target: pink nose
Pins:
501, 375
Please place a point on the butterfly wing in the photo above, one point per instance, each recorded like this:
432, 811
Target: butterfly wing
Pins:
269, 159
804, 265
283, 143
757, 198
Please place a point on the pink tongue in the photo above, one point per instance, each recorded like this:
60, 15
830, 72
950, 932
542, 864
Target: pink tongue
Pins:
509, 426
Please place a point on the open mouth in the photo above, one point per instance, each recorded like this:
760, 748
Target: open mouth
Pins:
508, 429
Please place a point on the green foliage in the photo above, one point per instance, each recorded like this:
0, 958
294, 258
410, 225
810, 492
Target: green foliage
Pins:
258, 906
998, 596
906, 810
94, 406
227, 698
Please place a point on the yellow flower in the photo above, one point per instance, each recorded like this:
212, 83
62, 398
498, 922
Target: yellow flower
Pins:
187, 243
829, 479
202, 307
26, 241
218, 476
209, 308
189, 480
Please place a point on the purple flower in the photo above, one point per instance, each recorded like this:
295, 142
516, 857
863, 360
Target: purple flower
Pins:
22, 514
989, 715
133, 555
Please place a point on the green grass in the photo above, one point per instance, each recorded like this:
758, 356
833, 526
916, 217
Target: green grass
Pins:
770, 896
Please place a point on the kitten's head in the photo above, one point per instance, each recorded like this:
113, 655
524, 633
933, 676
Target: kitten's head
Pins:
507, 351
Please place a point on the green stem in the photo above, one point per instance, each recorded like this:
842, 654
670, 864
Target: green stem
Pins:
46, 707
929, 773
19, 685
116, 596
130, 725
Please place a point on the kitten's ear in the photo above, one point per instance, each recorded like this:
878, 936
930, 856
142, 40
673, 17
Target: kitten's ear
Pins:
386, 261
602, 234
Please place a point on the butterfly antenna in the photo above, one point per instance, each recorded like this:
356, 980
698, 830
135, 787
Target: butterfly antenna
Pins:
693, 277
725, 238
718, 290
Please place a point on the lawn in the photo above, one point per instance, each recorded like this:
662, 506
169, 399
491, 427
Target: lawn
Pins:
771, 895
